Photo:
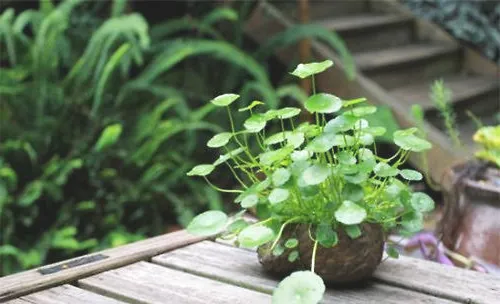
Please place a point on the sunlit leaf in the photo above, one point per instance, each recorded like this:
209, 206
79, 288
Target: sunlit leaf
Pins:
340, 123
287, 112
255, 123
208, 223
280, 176
224, 99
278, 195
255, 235
108, 137
304, 70
323, 103
422, 202
201, 170
411, 175
316, 174
385, 170
408, 141
219, 140
301, 287
350, 213
249, 201
363, 111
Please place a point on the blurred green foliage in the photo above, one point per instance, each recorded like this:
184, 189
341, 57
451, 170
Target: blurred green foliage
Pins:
100, 118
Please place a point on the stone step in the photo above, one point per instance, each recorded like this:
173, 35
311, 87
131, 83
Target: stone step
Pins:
321, 9
365, 32
477, 94
398, 66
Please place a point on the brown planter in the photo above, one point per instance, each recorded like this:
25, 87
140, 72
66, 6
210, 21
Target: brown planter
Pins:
348, 261
471, 219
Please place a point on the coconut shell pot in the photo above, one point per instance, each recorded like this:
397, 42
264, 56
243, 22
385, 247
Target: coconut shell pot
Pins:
470, 223
350, 260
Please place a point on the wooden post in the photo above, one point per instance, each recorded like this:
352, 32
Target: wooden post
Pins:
304, 44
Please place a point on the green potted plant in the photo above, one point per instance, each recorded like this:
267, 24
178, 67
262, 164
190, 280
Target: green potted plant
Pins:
471, 192
471, 189
323, 196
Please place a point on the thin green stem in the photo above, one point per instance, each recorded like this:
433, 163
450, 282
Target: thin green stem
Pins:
220, 189
313, 260
281, 231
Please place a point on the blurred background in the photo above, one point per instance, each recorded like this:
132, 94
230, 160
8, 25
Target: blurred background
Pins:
104, 104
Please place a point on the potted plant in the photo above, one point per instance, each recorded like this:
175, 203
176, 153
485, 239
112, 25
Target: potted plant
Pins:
469, 227
471, 193
323, 196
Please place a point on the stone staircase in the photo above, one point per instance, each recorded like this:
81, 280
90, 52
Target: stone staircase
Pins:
399, 56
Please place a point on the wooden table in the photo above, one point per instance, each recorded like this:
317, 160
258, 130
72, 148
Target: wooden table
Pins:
180, 268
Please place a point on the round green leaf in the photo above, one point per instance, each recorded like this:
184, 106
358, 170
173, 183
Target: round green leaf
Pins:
340, 123
385, 170
277, 138
412, 222
278, 250
346, 158
322, 143
349, 213
363, 111
422, 202
304, 70
315, 174
301, 287
353, 192
280, 176
224, 99
254, 236
270, 157
296, 139
278, 195
219, 140
249, 201
255, 123
353, 231
208, 223
406, 140
326, 236
201, 170
323, 103
237, 226
287, 112
293, 256
300, 155
291, 243
411, 175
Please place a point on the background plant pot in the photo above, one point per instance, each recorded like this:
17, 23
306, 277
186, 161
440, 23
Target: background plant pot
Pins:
470, 224
349, 261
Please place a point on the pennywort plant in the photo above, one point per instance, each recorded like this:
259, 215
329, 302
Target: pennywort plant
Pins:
324, 173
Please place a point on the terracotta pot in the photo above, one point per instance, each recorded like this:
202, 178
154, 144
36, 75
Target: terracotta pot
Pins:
471, 219
348, 261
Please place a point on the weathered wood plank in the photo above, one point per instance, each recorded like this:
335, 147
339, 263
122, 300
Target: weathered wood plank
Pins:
440, 280
64, 294
241, 268
145, 282
30, 281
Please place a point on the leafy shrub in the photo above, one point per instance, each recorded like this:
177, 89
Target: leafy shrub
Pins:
474, 22
100, 126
